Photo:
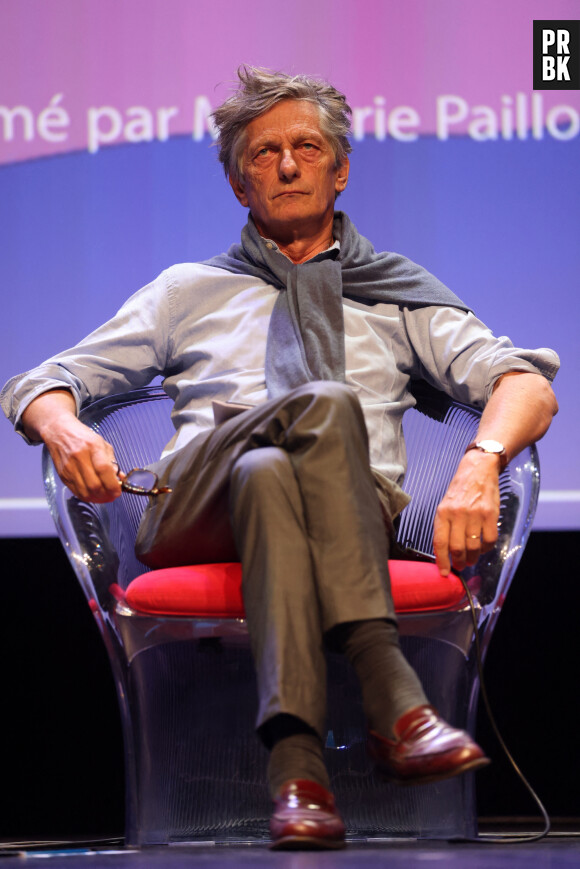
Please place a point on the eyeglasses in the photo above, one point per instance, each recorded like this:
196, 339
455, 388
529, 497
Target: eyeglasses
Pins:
140, 481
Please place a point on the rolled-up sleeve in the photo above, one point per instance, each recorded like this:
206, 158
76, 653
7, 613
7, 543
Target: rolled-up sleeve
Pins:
457, 353
126, 352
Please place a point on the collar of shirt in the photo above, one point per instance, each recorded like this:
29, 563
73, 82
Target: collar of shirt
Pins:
330, 252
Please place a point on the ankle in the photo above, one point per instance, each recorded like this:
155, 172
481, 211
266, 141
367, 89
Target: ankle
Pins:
299, 756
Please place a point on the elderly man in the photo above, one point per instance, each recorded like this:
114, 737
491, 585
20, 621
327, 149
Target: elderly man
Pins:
313, 337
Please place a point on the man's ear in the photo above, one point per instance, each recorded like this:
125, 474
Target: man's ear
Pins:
342, 175
239, 190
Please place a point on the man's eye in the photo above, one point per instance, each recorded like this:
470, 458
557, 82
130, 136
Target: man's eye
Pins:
262, 152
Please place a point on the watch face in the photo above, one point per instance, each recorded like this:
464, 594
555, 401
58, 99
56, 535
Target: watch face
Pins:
491, 446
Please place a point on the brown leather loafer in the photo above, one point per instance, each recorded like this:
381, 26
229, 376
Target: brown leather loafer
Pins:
305, 817
425, 749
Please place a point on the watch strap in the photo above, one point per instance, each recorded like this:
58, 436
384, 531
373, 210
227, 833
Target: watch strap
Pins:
502, 455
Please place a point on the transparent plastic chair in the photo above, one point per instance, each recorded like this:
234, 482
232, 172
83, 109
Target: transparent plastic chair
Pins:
195, 770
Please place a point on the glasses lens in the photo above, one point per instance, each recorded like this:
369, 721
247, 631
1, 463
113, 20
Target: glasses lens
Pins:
141, 479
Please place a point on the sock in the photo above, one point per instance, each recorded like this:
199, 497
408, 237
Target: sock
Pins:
390, 687
298, 756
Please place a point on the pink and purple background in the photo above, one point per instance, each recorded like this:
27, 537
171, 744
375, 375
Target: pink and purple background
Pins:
97, 195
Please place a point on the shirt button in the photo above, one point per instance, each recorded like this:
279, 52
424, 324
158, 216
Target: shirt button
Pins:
269, 245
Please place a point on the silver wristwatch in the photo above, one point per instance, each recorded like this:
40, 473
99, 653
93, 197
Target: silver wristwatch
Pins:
492, 447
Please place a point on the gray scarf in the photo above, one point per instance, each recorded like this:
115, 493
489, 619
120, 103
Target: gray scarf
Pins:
306, 332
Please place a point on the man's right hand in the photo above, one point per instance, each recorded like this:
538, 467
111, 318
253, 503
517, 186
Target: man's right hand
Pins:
84, 461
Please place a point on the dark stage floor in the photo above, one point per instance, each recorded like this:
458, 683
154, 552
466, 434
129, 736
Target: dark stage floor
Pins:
553, 852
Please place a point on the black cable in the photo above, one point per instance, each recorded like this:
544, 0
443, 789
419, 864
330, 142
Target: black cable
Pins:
493, 838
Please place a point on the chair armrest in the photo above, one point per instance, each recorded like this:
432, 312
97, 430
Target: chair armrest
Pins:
83, 531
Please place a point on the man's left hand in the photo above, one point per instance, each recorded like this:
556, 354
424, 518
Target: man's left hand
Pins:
466, 519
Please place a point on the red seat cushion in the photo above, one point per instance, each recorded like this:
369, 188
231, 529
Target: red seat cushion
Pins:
215, 590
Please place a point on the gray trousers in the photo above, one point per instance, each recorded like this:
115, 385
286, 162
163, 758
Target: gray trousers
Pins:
287, 489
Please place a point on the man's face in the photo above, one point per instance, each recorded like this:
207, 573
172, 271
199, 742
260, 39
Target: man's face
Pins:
290, 178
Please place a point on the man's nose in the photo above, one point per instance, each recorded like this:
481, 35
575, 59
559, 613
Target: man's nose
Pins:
288, 167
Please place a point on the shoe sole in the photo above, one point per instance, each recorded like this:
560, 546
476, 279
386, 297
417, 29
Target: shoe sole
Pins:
306, 843
470, 766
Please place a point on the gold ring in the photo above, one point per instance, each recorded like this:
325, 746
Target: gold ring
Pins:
474, 536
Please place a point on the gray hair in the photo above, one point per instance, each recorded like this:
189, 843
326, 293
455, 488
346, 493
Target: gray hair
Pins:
260, 89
